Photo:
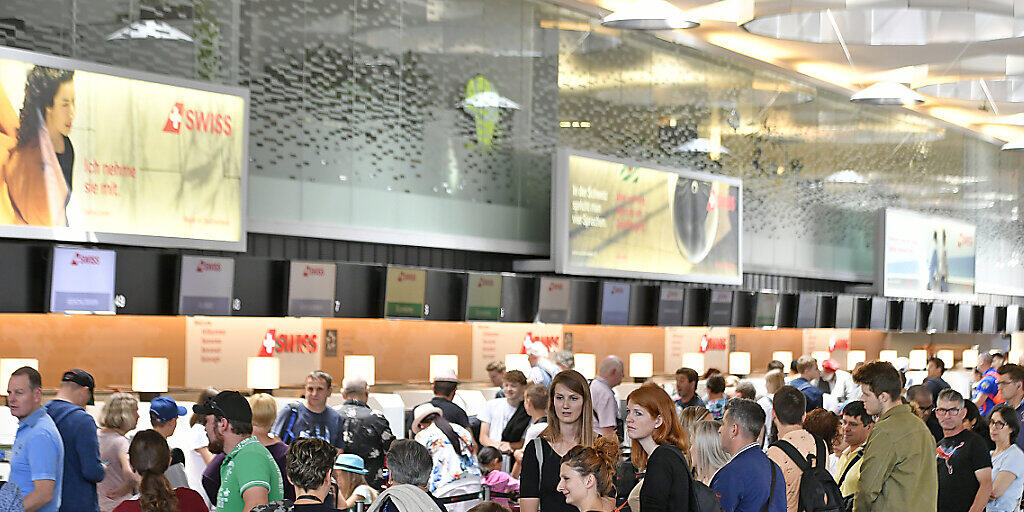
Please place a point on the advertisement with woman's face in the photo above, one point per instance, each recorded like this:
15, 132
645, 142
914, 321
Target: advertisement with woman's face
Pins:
99, 152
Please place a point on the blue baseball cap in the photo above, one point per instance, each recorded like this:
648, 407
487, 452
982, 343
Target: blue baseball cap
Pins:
164, 408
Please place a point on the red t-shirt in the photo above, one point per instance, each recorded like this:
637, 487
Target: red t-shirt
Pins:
188, 501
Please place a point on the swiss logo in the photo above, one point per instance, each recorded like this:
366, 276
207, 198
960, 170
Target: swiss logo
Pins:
83, 259
181, 118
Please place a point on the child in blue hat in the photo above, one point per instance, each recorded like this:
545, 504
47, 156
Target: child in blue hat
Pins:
349, 472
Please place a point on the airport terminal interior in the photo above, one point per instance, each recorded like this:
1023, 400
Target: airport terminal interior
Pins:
236, 193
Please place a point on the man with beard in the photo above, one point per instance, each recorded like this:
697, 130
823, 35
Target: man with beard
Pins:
249, 476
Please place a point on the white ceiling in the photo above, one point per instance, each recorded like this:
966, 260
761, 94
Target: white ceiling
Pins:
917, 65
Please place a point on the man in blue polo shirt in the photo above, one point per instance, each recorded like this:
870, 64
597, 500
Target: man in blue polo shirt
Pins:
750, 482
37, 459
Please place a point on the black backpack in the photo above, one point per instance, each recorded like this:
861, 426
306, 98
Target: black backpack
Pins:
819, 492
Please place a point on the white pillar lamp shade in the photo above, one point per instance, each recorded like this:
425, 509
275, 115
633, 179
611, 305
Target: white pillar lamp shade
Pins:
855, 357
918, 359
361, 366
443, 365
948, 357
517, 362
149, 374
820, 356
783, 356
263, 373
641, 365
9, 365
739, 363
888, 356
694, 361
970, 358
586, 364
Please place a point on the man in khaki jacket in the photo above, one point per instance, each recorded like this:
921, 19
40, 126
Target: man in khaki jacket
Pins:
898, 467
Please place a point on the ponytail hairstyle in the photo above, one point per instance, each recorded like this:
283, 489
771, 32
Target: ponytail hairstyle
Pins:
657, 403
598, 460
149, 456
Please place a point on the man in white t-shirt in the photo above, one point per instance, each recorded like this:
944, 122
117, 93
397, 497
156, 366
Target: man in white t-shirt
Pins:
497, 413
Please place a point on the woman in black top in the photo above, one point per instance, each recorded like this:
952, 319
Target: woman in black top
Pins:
570, 423
587, 476
659, 445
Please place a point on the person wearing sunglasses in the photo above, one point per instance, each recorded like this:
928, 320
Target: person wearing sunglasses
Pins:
1007, 460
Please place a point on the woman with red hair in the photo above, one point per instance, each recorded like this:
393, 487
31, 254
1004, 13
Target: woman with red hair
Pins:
659, 445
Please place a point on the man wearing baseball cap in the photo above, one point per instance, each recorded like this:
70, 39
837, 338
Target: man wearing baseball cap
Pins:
82, 467
836, 382
248, 476
163, 414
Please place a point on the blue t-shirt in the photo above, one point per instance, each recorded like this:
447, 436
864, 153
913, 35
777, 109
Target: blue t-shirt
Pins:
987, 386
38, 454
298, 422
1011, 460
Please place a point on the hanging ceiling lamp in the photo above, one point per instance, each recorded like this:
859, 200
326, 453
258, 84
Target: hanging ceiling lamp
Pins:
887, 93
649, 16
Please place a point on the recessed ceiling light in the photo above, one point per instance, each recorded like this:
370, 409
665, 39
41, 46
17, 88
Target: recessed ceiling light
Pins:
887, 93
649, 16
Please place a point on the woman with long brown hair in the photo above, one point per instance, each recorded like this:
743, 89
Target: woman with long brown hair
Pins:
149, 456
659, 448
570, 424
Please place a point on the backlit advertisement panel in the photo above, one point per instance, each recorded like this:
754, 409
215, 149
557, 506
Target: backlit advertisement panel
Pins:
926, 257
95, 153
626, 219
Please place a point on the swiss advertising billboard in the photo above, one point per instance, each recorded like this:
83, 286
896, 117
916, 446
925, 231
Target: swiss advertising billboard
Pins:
924, 256
618, 218
89, 152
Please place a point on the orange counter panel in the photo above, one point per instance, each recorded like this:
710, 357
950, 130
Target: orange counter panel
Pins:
102, 345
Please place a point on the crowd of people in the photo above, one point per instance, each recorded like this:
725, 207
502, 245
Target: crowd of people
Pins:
817, 439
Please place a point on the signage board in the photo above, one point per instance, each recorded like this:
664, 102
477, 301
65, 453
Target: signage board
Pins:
925, 257
405, 292
82, 281
217, 349
206, 286
311, 287
124, 157
670, 306
615, 303
619, 218
483, 297
555, 296
720, 309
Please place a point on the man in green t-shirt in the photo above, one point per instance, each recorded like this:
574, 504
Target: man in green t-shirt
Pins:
248, 476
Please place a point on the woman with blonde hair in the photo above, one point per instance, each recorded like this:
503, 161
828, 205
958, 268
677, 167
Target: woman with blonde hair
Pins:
570, 424
119, 416
150, 456
659, 448
264, 413
773, 380
706, 453
587, 476
691, 415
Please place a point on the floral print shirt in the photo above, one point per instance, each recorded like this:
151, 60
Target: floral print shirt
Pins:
366, 433
449, 466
